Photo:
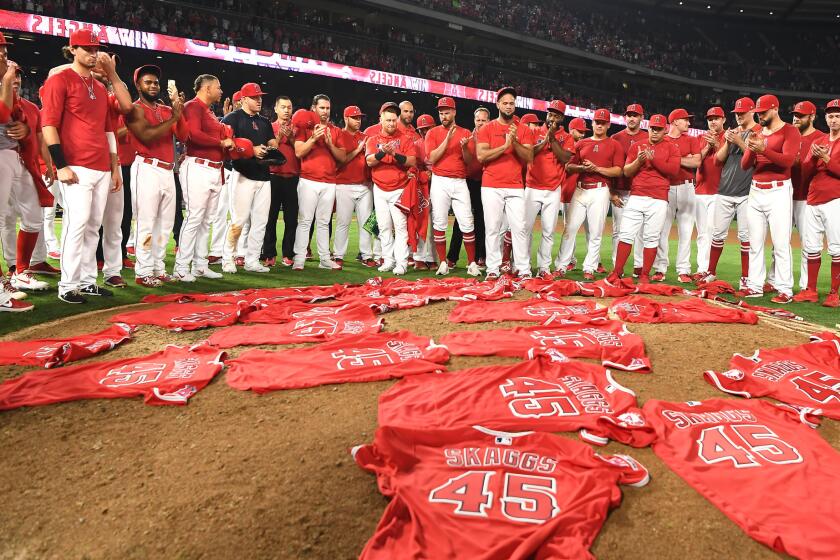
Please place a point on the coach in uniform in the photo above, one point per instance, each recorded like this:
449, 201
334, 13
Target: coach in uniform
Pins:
284, 181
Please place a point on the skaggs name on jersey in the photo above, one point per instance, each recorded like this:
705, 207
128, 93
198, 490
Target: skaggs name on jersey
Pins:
497, 457
683, 420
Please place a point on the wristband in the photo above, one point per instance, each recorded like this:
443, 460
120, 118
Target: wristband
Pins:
57, 156
401, 159
379, 155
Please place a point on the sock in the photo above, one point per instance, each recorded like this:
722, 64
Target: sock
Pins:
622, 253
507, 247
440, 244
814, 262
745, 258
469, 246
26, 241
835, 273
649, 255
714, 255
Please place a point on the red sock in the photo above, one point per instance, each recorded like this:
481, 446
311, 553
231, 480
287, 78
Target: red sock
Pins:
26, 241
814, 262
469, 246
507, 248
714, 255
622, 253
648, 256
745, 258
440, 244
835, 273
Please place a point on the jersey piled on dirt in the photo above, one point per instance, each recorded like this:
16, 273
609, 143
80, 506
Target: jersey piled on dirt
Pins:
54, 352
186, 316
638, 309
534, 310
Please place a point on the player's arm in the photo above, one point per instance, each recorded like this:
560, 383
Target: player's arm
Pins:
108, 64
722, 153
561, 153
748, 159
790, 149
486, 154
435, 153
671, 166
197, 135
525, 152
338, 153
303, 147
632, 168
408, 157
465, 151
691, 161
7, 95
45, 155
574, 165
373, 156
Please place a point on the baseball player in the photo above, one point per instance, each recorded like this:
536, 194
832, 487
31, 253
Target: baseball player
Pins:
201, 175
680, 199
771, 154
505, 148
822, 213
633, 115
221, 218
284, 180
597, 161
319, 150
804, 114
449, 156
708, 180
577, 130
651, 166
390, 155
423, 259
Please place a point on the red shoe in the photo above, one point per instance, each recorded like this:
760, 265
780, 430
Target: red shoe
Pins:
782, 298
115, 282
147, 281
601, 269
807, 296
410, 261
100, 265
451, 263
339, 262
287, 261
588, 276
370, 263
768, 288
165, 278
16, 306
570, 267
505, 268
613, 279
644, 279
658, 277
129, 250
269, 262
43, 268
240, 261
832, 300
420, 265
748, 293
546, 275
684, 279
309, 254
128, 263
54, 255
213, 259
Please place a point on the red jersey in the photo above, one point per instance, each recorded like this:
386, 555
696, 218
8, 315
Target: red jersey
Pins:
355, 171
376, 129
476, 493
505, 171
600, 339
540, 395
284, 311
561, 287
708, 174
170, 376
475, 169
639, 309
54, 352
286, 146
760, 464
655, 176
386, 304
686, 145
545, 172
824, 177
389, 175
164, 147
319, 164
309, 294
81, 119
806, 376
451, 163
30, 151
799, 179
185, 316
533, 310
625, 140
125, 145
777, 159
603, 153
206, 132
349, 359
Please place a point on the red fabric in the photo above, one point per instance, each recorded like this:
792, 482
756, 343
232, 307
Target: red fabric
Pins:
545, 172
286, 146
660, 289
506, 171
774, 311
608, 341
307, 294
638, 309
475, 169
603, 153
414, 203
451, 163
319, 164
55, 352
835, 274
465, 493
387, 304
289, 310
186, 316
30, 151
825, 177
539, 394
532, 310
625, 139
601, 288
798, 175
164, 147
206, 132
170, 376
356, 171
351, 359
780, 151
389, 175
125, 145
655, 177
710, 290
621, 255
686, 145
766, 470
558, 288
708, 174
648, 257
451, 288
81, 121
26, 241
714, 257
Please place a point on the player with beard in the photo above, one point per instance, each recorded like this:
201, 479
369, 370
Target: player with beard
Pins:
633, 115
284, 180
406, 122
708, 179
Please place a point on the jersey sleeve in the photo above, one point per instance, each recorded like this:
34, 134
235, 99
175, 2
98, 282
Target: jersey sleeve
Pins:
631, 472
483, 136
525, 135
632, 153
52, 100
617, 154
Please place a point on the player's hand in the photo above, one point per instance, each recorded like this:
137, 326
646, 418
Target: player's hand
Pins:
756, 143
643, 156
11, 71
67, 176
108, 63
260, 151
17, 130
710, 139
177, 105
49, 176
116, 180
328, 136
227, 144
730, 135
617, 201
820, 152
319, 131
464, 142
589, 166
389, 148
227, 106
286, 130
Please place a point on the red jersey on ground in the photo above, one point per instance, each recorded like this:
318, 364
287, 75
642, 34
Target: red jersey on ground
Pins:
608, 341
760, 464
505, 171
799, 179
352, 359
476, 493
54, 352
639, 309
186, 316
206, 132
780, 151
686, 145
284, 311
558, 287
602, 288
355, 171
308, 294
824, 177
451, 163
533, 310
286, 146
708, 174
389, 175
807, 376
81, 118
319, 164
603, 153
655, 176
545, 172
164, 147
170, 376
625, 140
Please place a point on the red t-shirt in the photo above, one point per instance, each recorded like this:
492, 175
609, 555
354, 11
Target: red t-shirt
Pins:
545, 172
125, 145
780, 151
687, 145
390, 175
451, 163
186, 316
603, 153
206, 132
625, 140
475, 169
81, 121
375, 129
286, 147
164, 147
356, 171
708, 174
655, 177
319, 164
824, 177
799, 180
505, 171
639, 309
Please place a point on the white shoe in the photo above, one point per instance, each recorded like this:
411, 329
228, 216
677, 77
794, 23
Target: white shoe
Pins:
229, 267
443, 269
183, 277
256, 267
207, 273
7, 288
399, 270
329, 264
386, 266
473, 270
25, 281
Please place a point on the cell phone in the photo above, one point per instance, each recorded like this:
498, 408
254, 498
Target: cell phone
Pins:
171, 88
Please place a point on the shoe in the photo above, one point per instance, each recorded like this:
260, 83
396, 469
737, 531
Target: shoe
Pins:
704, 278
329, 264
386, 267
269, 262
380, 260
742, 283
768, 288
147, 281
129, 249
637, 272
684, 279
451, 264
748, 293
72, 297
183, 276
213, 259
287, 261
54, 255
370, 263
115, 282
481, 264
492, 276
658, 277
782, 298
164, 278
807, 296
473, 270
13, 305
256, 267
207, 273
399, 270
43, 268
410, 261
443, 269
613, 278
339, 261
420, 265
571, 266
644, 279
128, 263
545, 274
7, 288
229, 267
832, 300
25, 281
240, 261
94, 290
588, 276
600, 269
505, 268
309, 254
359, 257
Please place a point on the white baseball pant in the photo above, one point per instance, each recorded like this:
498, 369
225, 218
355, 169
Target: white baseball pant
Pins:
822, 221
132, 237
49, 219
220, 219
350, 198
425, 248
8, 235
773, 207
111, 237
799, 220
154, 200
546, 204
393, 228
725, 209
84, 208
617, 213
646, 216
250, 202
315, 202
704, 216
589, 206
446, 192
17, 192
500, 204
200, 185
680, 206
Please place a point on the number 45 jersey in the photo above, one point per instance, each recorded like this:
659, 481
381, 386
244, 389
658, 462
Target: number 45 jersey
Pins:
476, 494
762, 465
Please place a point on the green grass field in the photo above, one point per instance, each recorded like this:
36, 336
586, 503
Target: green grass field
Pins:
49, 308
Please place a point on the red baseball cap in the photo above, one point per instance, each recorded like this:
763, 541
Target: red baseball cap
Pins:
832, 106
601, 115
744, 105
226, 131
715, 112
678, 114
635, 108
658, 121
84, 38
304, 118
766, 102
530, 118
578, 124
242, 149
425, 121
353, 111
146, 69
446, 103
506, 89
557, 106
388, 105
251, 90
804, 108
237, 96
3, 40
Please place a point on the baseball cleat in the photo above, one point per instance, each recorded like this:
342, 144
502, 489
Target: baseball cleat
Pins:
637, 272
742, 283
399, 270
13, 305
658, 277
287, 261
473, 270
54, 255
309, 254
588, 276
213, 259
571, 266
525, 276
451, 264
807, 296
748, 293
492, 276
164, 277
768, 288
832, 300
443, 269
25, 281
7, 288
644, 279
207, 273
183, 276
601, 269
386, 267
129, 249
782, 298
240, 261
73, 297
505, 268
147, 281
704, 278
370, 263
339, 261
481, 264
613, 278
256, 267
684, 279
329, 264
420, 265
128, 263
94, 290
545, 274
269, 262
43, 268
115, 282
229, 267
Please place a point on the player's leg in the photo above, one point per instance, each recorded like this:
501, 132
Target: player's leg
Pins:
685, 228
799, 207
196, 192
112, 247
704, 205
812, 232
549, 215
723, 211
219, 219
440, 197
345, 203
386, 227
148, 198
575, 216
165, 223
77, 213
101, 187
268, 252
474, 188
364, 206
290, 216
780, 221
400, 225
830, 212
23, 201
617, 212
49, 223
260, 205
493, 204
515, 211
129, 210
462, 208
596, 218
241, 193
660, 265
323, 223
632, 220
655, 215
307, 196
757, 224
533, 208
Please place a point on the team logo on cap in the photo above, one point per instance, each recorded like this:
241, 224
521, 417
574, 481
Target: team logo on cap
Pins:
834, 103
739, 104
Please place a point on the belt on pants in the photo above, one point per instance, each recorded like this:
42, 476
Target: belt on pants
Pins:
209, 163
588, 186
768, 184
159, 163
